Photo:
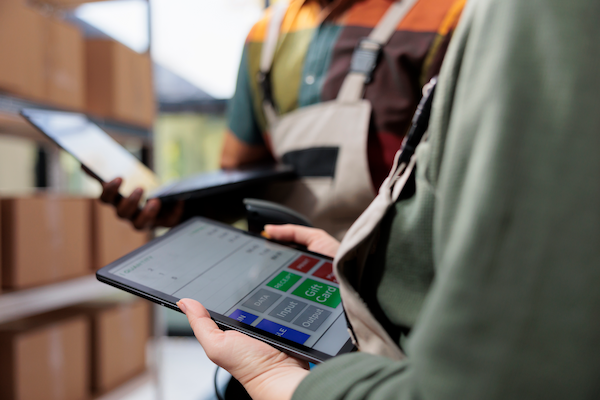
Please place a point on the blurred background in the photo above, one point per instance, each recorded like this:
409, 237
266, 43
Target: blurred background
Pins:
155, 75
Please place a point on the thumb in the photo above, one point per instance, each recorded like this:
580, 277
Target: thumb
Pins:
292, 233
204, 327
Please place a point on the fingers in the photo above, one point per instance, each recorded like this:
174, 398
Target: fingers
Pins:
316, 240
128, 206
205, 329
173, 217
110, 190
265, 372
147, 217
292, 233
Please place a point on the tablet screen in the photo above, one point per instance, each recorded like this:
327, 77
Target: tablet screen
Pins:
94, 148
274, 288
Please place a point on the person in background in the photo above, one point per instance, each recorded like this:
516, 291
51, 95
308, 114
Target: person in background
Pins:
329, 87
492, 259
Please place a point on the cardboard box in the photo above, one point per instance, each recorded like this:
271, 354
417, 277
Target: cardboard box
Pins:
65, 68
21, 50
45, 239
119, 83
120, 332
0, 247
112, 237
45, 357
143, 102
67, 3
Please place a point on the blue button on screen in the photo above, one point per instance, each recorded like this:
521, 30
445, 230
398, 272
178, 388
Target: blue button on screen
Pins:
243, 316
282, 331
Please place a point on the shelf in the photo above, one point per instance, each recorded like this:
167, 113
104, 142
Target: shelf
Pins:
12, 123
132, 385
23, 303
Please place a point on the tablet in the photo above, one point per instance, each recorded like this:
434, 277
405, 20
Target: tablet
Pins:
93, 148
282, 296
107, 160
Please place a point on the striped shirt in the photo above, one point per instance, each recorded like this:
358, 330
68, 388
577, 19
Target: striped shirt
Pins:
313, 56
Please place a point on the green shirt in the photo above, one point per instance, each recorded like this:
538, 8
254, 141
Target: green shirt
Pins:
506, 219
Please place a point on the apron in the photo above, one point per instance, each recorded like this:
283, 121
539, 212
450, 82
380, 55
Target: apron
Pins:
327, 142
350, 262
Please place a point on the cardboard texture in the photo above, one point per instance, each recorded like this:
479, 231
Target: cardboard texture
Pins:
45, 239
21, 50
45, 357
112, 237
120, 332
119, 83
0, 247
65, 65
67, 3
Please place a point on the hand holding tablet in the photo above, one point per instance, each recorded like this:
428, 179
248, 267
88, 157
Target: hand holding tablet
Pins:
279, 295
262, 369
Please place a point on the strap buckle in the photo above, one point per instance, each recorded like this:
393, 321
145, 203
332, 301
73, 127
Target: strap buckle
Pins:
365, 57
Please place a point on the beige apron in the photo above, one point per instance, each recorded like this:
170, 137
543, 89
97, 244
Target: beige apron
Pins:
367, 333
331, 203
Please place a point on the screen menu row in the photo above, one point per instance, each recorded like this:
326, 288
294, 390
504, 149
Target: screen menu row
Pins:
299, 303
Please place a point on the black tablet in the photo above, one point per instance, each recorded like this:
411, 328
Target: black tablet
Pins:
107, 160
282, 296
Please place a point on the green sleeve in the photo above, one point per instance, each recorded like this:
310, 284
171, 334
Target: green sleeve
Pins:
513, 309
241, 118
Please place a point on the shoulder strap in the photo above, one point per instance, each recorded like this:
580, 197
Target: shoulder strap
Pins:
270, 42
266, 60
366, 54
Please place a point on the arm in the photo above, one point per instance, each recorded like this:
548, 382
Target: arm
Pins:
244, 139
237, 152
513, 311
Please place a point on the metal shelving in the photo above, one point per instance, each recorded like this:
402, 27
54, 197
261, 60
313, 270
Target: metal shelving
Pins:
28, 302
24, 303
12, 123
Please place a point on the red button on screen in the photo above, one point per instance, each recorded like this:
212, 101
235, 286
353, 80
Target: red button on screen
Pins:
304, 264
326, 272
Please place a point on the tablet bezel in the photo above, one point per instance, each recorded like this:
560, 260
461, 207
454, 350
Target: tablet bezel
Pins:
25, 113
224, 322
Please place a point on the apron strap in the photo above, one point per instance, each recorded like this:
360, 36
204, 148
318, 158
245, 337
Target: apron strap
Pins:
266, 60
366, 54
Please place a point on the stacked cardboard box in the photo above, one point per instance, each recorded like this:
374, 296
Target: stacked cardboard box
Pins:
42, 58
112, 237
21, 50
119, 83
45, 239
0, 246
45, 357
120, 332
67, 3
65, 65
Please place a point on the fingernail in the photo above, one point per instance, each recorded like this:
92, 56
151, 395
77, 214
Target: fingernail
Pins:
138, 192
265, 234
181, 306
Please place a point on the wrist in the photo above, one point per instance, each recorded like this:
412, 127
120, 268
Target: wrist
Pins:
277, 384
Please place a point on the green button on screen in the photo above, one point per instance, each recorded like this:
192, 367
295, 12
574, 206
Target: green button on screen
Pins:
284, 281
319, 293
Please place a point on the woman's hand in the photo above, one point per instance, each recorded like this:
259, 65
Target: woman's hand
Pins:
128, 207
314, 239
266, 373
